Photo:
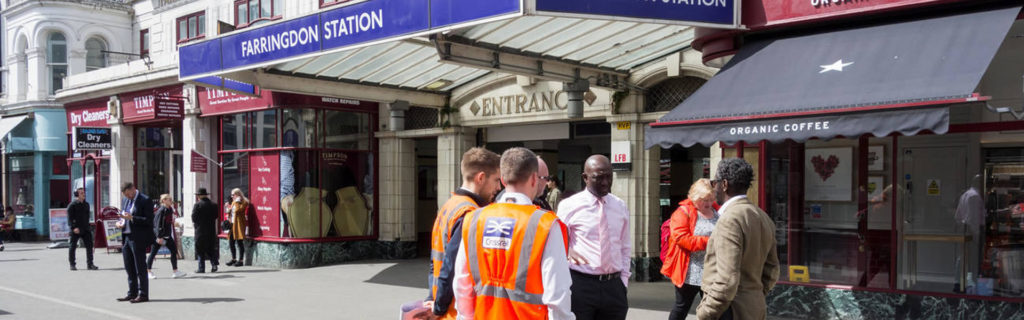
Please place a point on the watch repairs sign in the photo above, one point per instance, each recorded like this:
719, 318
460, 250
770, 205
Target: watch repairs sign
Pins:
92, 138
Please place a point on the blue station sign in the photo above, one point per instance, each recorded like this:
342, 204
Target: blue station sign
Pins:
375, 21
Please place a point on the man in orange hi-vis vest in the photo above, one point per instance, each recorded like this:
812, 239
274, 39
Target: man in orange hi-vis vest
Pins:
480, 181
512, 261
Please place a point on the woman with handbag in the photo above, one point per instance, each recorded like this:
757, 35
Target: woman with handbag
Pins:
236, 211
163, 226
690, 227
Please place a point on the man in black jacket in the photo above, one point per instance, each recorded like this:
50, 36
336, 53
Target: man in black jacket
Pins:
204, 217
137, 221
78, 221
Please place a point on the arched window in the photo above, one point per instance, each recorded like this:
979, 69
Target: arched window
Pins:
57, 60
95, 58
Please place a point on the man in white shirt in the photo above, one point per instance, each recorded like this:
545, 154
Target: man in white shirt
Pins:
599, 245
497, 255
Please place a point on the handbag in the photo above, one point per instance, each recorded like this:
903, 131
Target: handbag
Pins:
225, 225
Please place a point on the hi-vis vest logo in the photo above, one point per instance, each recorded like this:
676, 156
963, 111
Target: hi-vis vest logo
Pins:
498, 233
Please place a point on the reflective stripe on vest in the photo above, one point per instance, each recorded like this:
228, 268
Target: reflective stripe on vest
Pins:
518, 294
446, 230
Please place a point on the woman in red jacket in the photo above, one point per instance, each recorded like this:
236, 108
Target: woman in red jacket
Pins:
691, 225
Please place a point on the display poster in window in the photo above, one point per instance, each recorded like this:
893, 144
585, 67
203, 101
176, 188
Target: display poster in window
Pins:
875, 186
59, 229
828, 174
876, 158
113, 233
265, 179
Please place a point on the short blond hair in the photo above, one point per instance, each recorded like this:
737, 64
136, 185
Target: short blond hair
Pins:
701, 190
166, 196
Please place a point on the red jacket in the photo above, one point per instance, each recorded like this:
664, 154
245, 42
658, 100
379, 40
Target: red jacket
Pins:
677, 259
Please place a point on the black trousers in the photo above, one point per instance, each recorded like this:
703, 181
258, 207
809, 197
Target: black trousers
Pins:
596, 299
241, 249
684, 300
169, 243
135, 266
86, 237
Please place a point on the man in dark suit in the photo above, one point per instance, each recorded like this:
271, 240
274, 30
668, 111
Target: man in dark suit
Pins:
78, 220
204, 217
137, 221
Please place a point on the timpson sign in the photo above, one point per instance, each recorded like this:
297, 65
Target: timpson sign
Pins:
544, 100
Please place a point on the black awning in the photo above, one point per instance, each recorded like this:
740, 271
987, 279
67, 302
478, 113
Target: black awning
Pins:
857, 80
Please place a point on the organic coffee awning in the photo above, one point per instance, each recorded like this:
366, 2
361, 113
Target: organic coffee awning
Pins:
877, 80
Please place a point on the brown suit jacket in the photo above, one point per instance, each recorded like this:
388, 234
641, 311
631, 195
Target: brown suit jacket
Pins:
741, 264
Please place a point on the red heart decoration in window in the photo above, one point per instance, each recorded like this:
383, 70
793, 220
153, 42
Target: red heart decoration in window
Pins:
825, 168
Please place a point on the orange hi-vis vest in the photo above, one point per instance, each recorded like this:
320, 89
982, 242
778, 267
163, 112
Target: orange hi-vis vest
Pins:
504, 244
455, 208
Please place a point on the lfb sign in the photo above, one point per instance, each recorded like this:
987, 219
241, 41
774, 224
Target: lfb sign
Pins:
621, 156
92, 138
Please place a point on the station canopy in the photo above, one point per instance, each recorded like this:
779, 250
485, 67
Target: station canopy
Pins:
436, 46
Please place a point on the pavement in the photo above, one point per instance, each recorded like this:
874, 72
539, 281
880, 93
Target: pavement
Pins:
37, 284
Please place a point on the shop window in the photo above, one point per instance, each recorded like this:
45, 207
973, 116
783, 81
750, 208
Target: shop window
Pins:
251, 12
347, 179
298, 128
670, 93
191, 27
346, 130
21, 184
233, 133
152, 172
325, 3
235, 174
57, 60
95, 55
157, 137
144, 43
265, 129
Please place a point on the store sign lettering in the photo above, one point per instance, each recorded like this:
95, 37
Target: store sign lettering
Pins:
776, 128
88, 117
91, 138
825, 3
552, 100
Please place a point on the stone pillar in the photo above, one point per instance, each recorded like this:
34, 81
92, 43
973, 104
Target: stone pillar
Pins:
397, 195
450, 146
195, 136
38, 82
122, 158
16, 77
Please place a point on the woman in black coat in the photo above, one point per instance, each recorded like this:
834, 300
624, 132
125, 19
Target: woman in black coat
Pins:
163, 227
204, 217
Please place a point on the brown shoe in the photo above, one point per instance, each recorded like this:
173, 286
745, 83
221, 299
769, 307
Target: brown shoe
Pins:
127, 298
140, 299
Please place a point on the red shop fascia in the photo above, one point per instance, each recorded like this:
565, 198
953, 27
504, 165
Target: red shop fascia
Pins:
93, 164
251, 150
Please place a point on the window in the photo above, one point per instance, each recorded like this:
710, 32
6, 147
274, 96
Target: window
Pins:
249, 12
95, 57
191, 27
144, 43
57, 60
324, 3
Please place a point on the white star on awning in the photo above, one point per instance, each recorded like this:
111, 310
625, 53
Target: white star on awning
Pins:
837, 66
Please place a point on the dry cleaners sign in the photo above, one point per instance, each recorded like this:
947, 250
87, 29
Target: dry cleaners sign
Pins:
541, 101
92, 138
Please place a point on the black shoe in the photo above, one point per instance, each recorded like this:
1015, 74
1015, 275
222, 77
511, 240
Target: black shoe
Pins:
127, 298
231, 263
140, 299
93, 267
73, 268
239, 264
213, 269
202, 271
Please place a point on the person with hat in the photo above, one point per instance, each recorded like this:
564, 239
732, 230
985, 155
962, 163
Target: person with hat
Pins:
204, 217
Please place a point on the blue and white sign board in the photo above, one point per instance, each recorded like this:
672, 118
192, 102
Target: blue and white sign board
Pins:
375, 21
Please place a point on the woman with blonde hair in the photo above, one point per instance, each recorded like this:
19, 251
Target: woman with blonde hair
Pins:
691, 225
236, 210
163, 227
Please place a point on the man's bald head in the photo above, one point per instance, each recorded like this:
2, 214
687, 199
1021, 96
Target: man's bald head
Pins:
597, 173
542, 172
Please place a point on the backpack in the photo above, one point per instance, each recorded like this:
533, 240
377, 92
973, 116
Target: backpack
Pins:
666, 231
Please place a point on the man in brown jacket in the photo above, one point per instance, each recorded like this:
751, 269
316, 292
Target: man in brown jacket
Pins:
741, 264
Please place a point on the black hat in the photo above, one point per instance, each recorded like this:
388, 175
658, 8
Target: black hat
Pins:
202, 192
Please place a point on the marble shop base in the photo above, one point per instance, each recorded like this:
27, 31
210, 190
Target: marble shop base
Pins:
307, 255
800, 302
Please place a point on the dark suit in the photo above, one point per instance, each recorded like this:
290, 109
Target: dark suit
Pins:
78, 217
138, 235
204, 217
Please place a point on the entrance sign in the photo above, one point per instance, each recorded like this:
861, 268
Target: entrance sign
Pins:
91, 138
375, 21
